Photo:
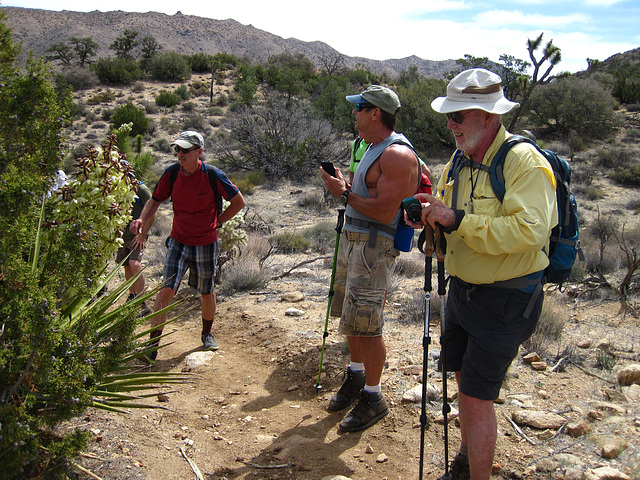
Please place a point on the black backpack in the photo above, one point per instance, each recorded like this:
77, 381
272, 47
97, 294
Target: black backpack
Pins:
564, 243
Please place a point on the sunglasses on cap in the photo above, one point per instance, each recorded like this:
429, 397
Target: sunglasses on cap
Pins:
178, 149
361, 106
456, 117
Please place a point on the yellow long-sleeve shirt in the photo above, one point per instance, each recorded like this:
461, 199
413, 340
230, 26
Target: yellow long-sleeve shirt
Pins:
500, 241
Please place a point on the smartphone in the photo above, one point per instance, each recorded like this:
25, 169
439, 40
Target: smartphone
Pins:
329, 168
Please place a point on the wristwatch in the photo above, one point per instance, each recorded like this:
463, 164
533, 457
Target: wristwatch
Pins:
345, 195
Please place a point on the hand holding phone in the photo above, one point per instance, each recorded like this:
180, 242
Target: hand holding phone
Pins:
329, 168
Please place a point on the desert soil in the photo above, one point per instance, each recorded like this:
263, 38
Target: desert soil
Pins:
252, 410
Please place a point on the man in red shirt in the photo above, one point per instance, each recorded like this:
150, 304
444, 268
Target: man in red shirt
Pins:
193, 243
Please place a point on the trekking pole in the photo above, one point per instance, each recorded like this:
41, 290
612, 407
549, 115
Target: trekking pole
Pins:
427, 248
339, 226
441, 248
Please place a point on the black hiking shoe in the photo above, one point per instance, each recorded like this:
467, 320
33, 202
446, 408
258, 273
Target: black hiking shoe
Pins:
458, 469
349, 391
144, 310
370, 408
209, 343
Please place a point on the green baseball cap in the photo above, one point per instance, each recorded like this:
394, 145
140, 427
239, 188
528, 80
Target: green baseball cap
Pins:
382, 97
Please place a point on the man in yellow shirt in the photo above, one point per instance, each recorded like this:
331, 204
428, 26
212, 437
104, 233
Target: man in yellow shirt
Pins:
494, 255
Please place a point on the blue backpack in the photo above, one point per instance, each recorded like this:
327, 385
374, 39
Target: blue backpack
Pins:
564, 243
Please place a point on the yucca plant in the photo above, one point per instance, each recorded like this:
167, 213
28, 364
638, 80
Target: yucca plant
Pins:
63, 346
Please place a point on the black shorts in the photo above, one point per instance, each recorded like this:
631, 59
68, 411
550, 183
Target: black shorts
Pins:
484, 328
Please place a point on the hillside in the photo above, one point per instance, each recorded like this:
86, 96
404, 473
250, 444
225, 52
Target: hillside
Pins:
37, 29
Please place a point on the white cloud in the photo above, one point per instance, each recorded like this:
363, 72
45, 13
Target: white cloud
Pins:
513, 18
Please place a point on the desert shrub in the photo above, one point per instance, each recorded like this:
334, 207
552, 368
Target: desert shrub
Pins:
550, 325
170, 67
103, 96
149, 107
289, 242
221, 101
129, 113
183, 92
188, 106
78, 78
322, 236
106, 114
199, 88
409, 266
582, 176
162, 145
605, 359
312, 200
243, 274
591, 192
256, 177
194, 121
634, 204
629, 176
215, 112
201, 62
613, 158
117, 71
282, 138
167, 99
243, 183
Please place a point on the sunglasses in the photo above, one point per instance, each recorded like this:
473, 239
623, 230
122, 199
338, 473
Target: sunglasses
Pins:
361, 106
179, 149
456, 117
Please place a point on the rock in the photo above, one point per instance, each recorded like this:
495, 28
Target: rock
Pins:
414, 395
369, 449
412, 370
629, 375
575, 430
632, 393
538, 419
530, 358
611, 446
292, 297
609, 407
540, 366
293, 312
452, 415
335, 477
199, 359
381, 458
614, 395
584, 343
604, 473
603, 344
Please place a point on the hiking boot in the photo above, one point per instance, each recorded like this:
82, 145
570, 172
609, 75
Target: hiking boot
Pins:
209, 342
132, 296
458, 469
349, 391
144, 310
370, 408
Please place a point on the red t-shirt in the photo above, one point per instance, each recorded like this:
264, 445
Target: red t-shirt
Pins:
194, 206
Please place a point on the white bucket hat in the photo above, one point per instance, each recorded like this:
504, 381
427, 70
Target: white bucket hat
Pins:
475, 88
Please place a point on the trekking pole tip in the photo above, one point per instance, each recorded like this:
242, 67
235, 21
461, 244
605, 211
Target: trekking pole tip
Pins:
318, 387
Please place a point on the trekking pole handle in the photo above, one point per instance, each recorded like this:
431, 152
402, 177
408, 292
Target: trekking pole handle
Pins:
340, 223
441, 248
428, 241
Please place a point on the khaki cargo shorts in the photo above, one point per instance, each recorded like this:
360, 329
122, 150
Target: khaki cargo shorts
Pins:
360, 285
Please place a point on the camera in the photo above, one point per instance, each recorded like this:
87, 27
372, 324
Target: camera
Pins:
329, 168
413, 207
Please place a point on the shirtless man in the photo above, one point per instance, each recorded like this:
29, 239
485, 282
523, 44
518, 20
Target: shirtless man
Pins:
387, 174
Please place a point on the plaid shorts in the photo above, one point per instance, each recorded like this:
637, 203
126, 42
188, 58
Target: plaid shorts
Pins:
200, 260
125, 249
360, 285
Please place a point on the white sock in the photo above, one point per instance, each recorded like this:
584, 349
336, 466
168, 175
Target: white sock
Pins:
374, 389
356, 367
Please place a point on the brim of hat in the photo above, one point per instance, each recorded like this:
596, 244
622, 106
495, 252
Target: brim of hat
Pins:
500, 107
356, 99
184, 144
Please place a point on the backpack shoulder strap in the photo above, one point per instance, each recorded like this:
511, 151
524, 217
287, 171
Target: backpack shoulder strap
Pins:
173, 170
497, 164
213, 182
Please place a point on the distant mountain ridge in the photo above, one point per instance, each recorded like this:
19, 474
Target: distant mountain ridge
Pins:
37, 29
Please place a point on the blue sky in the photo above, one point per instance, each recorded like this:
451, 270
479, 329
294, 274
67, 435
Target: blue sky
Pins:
430, 29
